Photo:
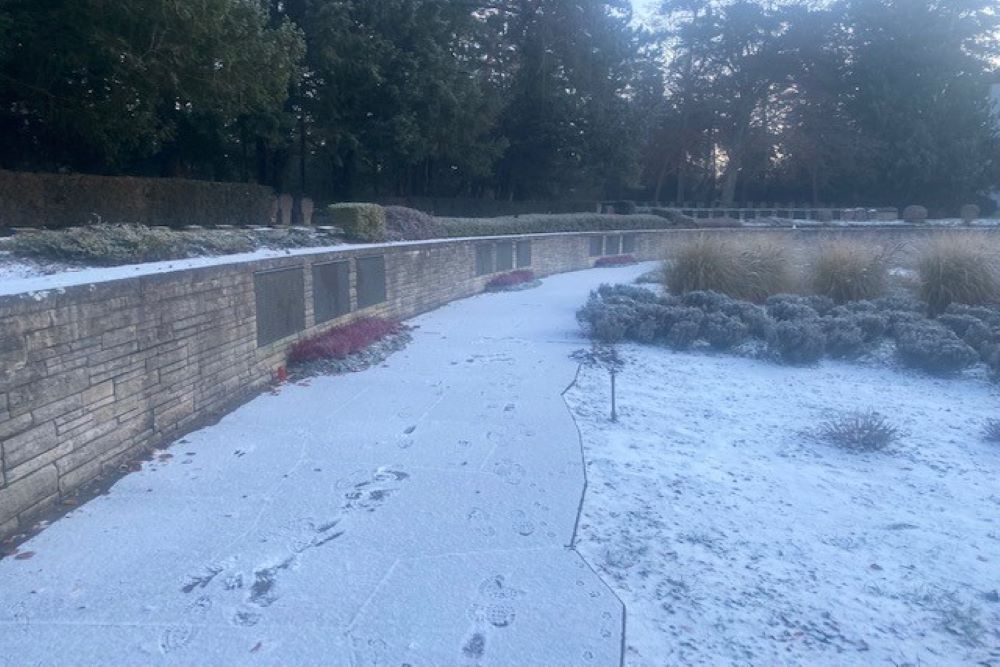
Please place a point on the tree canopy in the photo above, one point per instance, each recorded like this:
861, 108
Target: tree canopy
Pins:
844, 101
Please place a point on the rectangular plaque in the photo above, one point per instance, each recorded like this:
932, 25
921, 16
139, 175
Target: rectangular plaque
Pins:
371, 280
505, 256
331, 290
628, 244
281, 304
484, 259
596, 246
523, 254
613, 245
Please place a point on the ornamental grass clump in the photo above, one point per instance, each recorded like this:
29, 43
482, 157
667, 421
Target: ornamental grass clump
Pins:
847, 270
959, 270
711, 263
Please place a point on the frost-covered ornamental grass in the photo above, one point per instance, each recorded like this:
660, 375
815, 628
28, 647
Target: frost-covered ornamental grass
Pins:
735, 537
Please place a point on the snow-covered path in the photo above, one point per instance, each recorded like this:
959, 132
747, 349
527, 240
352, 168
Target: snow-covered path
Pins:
415, 513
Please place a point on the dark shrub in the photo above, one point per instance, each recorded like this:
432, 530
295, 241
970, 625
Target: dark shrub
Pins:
799, 342
723, 332
969, 213
915, 214
844, 338
789, 307
360, 222
683, 334
344, 340
859, 432
933, 348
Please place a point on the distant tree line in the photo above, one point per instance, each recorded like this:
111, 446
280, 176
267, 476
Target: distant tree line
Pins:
850, 101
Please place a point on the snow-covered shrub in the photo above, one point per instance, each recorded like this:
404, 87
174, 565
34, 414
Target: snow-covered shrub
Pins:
758, 323
723, 332
969, 213
991, 430
859, 432
791, 307
898, 320
934, 348
605, 321
844, 338
713, 263
849, 270
915, 214
821, 303
706, 300
970, 329
639, 294
683, 334
956, 269
873, 325
799, 342
897, 302
408, 224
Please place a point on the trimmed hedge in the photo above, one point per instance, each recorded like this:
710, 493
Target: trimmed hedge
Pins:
542, 224
360, 222
65, 200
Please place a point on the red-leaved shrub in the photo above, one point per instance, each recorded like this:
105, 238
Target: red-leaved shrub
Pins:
615, 260
343, 341
510, 279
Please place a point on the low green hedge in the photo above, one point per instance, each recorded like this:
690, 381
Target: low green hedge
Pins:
542, 224
65, 200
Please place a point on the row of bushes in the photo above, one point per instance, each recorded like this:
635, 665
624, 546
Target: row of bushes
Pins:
951, 269
796, 329
64, 200
113, 245
372, 223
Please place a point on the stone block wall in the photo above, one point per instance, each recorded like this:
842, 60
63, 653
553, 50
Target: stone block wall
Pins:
92, 375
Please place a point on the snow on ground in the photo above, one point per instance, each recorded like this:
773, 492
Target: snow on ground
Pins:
416, 513
735, 538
